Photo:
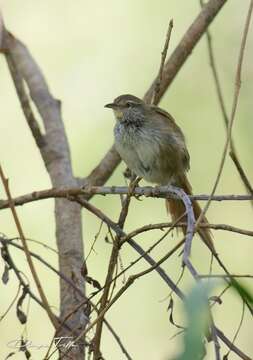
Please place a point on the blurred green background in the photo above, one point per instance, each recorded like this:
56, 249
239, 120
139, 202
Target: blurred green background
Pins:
91, 52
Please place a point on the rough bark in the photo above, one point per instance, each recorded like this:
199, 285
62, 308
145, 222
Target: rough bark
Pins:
56, 156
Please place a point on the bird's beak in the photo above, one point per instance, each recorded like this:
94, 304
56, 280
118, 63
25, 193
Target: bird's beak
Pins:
110, 106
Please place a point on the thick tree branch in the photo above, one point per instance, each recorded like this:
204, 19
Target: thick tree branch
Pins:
55, 152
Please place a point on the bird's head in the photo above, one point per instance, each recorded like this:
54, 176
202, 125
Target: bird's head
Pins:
124, 103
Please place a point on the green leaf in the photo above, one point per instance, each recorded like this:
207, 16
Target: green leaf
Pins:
243, 291
197, 309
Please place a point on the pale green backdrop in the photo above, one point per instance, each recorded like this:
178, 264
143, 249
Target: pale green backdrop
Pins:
91, 52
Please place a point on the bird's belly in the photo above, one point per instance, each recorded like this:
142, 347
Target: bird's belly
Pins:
142, 156
130, 156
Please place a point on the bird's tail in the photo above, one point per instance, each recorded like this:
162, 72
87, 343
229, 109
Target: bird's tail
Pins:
176, 209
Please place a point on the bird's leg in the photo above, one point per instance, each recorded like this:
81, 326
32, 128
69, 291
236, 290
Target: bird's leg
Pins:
134, 182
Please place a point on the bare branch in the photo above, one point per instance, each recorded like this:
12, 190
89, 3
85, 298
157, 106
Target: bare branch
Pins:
147, 191
163, 58
162, 226
226, 276
25, 102
240, 170
232, 346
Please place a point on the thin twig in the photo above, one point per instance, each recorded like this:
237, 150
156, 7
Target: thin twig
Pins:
232, 346
161, 226
240, 170
11, 304
37, 242
94, 242
215, 337
234, 108
163, 58
232, 153
27, 252
238, 329
226, 276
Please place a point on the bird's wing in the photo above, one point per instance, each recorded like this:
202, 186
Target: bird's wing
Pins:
175, 137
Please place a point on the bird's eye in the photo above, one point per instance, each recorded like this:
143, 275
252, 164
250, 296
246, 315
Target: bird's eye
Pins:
128, 104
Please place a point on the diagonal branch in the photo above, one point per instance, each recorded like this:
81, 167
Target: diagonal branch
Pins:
25, 103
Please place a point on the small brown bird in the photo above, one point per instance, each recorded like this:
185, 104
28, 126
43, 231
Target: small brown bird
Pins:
153, 146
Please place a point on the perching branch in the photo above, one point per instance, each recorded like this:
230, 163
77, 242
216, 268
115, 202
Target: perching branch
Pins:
146, 191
